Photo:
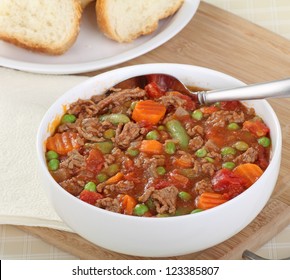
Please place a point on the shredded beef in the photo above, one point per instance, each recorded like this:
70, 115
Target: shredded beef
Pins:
110, 204
74, 185
172, 100
118, 98
203, 186
92, 130
249, 156
121, 187
147, 193
126, 133
83, 108
149, 164
195, 143
220, 118
74, 160
165, 200
193, 129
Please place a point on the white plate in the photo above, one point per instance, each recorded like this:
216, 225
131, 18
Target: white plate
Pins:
92, 50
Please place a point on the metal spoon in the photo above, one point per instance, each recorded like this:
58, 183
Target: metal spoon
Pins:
274, 89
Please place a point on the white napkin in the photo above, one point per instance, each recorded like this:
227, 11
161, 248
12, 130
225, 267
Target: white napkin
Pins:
24, 98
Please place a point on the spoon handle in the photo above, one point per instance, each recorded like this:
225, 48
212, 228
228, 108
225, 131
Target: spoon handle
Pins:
275, 89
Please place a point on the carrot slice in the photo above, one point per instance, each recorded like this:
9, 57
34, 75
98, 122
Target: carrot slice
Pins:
209, 200
182, 162
250, 172
151, 147
128, 203
62, 143
115, 179
148, 111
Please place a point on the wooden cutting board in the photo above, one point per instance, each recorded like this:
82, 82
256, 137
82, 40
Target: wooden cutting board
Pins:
222, 41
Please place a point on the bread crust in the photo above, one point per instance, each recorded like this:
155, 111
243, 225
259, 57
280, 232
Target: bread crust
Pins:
49, 49
104, 23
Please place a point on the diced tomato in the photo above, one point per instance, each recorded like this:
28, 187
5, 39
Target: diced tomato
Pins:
225, 181
257, 127
230, 105
95, 161
153, 90
90, 197
161, 184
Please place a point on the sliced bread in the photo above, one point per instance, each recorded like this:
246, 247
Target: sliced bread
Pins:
48, 26
125, 20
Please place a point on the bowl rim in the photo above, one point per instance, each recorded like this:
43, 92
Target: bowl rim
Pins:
153, 68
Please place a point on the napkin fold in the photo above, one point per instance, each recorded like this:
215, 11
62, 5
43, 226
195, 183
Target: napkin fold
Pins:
24, 99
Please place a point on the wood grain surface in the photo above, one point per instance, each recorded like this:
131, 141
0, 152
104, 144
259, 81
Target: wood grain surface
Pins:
222, 41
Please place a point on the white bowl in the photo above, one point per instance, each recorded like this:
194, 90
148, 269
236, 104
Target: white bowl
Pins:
160, 237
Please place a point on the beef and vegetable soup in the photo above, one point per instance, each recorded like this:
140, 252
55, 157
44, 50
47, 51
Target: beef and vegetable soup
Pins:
155, 152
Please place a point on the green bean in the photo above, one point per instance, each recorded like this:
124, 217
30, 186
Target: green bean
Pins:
68, 118
51, 155
228, 151
178, 132
196, 211
264, 141
197, 115
209, 159
233, 126
170, 148
140, 209
102, 177
132, 152
53, 164
152, 135
160, 170
185, 196
202, 152
229, 165
115, 118
241, 146
105, 147
90, 186
109, 133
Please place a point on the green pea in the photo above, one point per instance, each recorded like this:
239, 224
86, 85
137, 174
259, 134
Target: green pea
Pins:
140, 209
152, 135
170, 148
202, 152
112, 169
161, 127
185, 196
217, 104
264, 141
109, 133
132, 152
196, 211
105, 147
115, 118
51, 155
209, 159
229, 165
53, 164
68, 118
160, 170
228, 151
197, 115
101, 177
233, 126
90, 186
241, 146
